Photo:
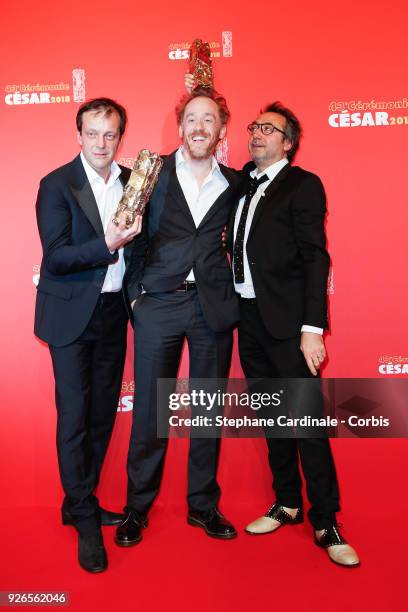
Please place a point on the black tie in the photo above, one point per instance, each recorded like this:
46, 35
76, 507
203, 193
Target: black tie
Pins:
239, 238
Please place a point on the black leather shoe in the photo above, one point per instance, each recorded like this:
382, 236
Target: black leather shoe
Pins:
213, 523
129, 531
91, 553
108, 518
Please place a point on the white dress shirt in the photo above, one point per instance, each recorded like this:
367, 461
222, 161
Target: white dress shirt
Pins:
107, 196
199, 199
246, 289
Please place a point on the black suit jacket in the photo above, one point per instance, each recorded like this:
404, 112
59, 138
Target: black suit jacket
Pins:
75, 255
170, 245
287, 255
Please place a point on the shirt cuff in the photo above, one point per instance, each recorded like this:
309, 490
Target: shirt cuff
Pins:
311, 328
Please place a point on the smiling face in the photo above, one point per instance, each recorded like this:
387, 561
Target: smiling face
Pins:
201, 128
268, 149
99, 139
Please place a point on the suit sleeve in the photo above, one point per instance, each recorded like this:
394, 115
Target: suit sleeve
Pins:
309, 211
54, 221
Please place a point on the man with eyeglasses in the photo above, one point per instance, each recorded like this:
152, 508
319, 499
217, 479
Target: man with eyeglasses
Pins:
280, 266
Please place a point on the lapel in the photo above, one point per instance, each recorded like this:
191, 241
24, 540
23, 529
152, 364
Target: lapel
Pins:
83, 194
175, 191
268, 194
223, 197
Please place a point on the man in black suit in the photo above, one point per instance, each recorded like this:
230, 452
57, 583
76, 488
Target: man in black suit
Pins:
280, 268
182, 285
80, 312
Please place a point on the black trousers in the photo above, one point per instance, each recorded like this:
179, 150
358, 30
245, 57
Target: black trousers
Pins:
263, 356
162, 321
88, 376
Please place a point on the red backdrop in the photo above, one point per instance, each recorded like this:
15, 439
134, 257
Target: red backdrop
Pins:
336, 66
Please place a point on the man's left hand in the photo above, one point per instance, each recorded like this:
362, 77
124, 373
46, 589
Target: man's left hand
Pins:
312, 347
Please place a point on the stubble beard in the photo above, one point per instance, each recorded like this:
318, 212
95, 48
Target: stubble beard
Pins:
205, 153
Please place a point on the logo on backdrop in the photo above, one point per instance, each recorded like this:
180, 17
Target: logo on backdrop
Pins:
391, 365
36, 274
126, 396
330, 282
221, 155
219, 48
128, 162
221, 152
368, 113
47, 93
78, 85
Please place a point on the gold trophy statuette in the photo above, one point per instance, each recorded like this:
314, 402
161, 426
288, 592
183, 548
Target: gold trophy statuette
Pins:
200, 65
139, 187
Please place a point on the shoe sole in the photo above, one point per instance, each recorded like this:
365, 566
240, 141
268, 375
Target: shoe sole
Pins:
345, 565
196, 523
94, 571
127, 543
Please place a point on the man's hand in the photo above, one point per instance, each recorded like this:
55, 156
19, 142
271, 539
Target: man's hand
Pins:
189, 82
118, 235
312, 347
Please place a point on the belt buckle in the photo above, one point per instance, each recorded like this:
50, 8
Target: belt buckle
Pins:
182, 288
187, 286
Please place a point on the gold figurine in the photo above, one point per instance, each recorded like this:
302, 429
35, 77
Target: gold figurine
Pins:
200, 65
139, 187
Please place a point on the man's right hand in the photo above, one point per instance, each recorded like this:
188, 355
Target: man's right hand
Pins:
189, 82
118, 235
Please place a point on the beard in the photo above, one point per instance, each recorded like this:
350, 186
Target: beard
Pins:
200, 150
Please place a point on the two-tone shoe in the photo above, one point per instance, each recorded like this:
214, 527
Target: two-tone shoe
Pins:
273, 519
338, 550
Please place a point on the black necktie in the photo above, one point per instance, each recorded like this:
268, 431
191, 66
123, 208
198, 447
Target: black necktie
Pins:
239, 238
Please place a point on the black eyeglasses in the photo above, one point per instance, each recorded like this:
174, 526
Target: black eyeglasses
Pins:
266, 128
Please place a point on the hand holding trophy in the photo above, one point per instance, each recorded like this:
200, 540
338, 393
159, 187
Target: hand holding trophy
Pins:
139, 187
118, 234
200, 72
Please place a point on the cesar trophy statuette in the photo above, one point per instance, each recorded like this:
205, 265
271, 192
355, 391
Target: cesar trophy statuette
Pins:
139, 187
200, 65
